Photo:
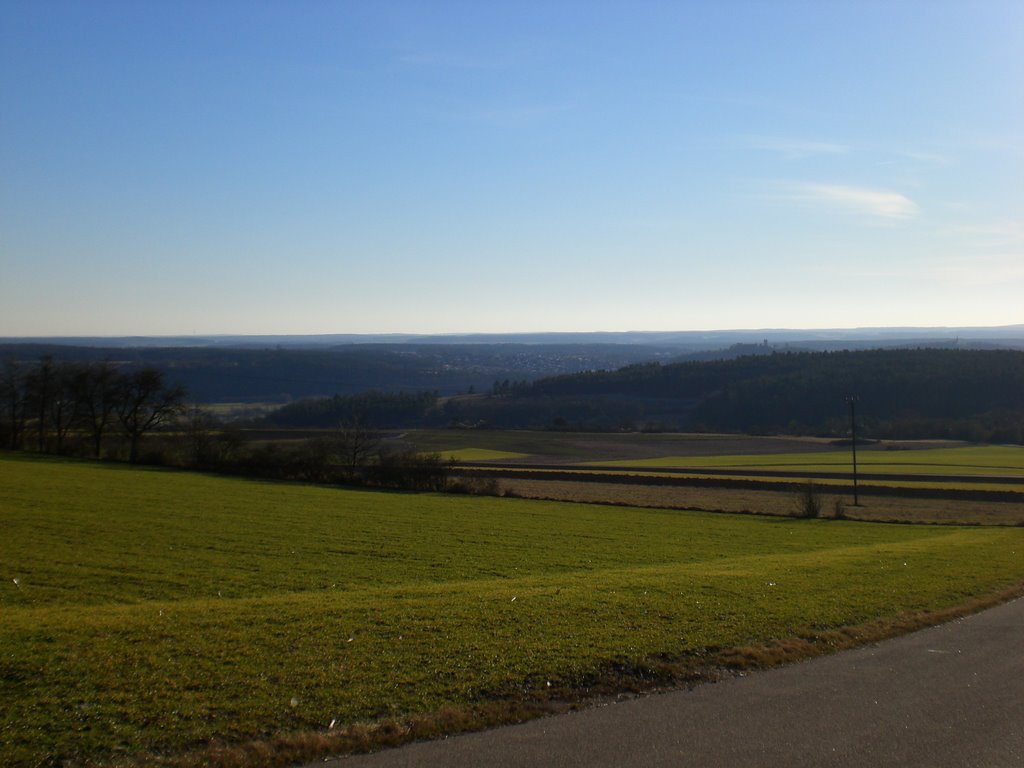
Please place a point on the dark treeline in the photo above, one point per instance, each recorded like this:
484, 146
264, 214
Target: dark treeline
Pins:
906, 393
381, 409
102, 410
350, 455
77, 407
219, 374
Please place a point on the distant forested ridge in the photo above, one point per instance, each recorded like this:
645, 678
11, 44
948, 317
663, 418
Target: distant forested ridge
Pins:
907, 393
903, 392
219, 374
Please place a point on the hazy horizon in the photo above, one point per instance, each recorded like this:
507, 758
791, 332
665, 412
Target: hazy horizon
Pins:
269, 168
860, 333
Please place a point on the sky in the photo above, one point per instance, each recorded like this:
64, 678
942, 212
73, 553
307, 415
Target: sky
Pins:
173, 168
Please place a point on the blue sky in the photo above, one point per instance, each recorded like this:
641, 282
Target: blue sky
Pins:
347, 167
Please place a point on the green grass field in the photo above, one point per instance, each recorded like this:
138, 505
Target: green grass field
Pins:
711, 451
480, 454
964, 463
147, 612
559, 447
995, 461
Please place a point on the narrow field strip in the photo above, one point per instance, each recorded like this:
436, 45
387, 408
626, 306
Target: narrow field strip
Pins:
789, 475
977, 460
480, 454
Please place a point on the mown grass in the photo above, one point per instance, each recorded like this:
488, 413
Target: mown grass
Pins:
964, 463
602, 446
147, 612
988, 460
480, 454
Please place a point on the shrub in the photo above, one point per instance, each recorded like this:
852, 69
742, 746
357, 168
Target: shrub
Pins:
410, 471
808, 502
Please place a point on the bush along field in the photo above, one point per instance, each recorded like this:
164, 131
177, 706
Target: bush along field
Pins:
164, 617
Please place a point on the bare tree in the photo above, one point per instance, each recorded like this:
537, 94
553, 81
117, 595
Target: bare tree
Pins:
13, 390
145, 403
64, 405
200, 432
96, 389
40, 385
355, 444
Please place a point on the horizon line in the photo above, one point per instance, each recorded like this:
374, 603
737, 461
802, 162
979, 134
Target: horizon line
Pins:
423, 334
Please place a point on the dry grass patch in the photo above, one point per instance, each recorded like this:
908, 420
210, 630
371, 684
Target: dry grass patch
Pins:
763, 502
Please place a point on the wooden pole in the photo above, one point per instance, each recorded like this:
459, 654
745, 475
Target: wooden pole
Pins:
852, 399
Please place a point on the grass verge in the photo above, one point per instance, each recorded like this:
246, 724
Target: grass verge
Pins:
612, 682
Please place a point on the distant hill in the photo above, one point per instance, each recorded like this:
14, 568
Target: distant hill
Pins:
1008, 336
907, 393
280, 374
520, 380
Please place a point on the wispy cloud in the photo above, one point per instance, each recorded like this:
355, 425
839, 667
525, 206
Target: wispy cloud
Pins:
1005, 144
926, 158
998, 269
880, 204
994, 235
796, 149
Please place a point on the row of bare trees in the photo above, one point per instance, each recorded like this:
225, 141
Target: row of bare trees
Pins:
78, 408
46, 402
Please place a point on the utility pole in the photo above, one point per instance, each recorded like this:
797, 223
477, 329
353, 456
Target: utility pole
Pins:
852, 399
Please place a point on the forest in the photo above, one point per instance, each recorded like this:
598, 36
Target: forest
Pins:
906, 393
282, 374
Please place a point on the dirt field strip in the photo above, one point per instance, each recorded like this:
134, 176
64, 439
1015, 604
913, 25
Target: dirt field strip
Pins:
872, 508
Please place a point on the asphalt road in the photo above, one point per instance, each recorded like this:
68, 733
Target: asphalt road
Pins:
951, 695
